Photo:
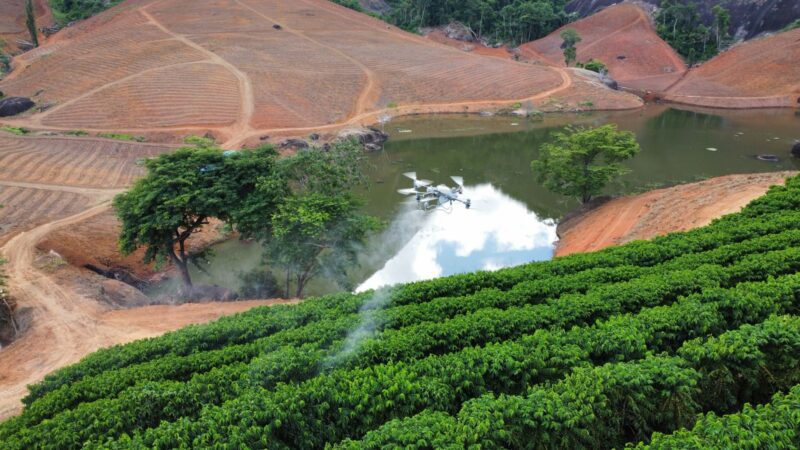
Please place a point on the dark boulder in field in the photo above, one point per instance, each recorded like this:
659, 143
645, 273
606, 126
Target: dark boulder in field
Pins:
293, 144
12, 106
796, 149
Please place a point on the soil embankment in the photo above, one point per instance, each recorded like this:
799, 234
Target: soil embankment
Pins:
761, 73
662, 211
624, 39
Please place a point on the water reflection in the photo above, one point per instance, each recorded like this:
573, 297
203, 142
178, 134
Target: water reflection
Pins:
498, 231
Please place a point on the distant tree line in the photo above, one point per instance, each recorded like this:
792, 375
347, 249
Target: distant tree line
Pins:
513, 21
66, 11
681, 25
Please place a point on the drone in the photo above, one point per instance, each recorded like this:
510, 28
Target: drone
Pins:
430, 196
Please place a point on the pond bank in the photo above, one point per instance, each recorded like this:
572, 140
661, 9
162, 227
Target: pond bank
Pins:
662, 211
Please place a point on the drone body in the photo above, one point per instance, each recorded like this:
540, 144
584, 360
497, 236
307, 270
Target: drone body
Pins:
430, 196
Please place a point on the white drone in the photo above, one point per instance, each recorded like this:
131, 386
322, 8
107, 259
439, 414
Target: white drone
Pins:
429, 196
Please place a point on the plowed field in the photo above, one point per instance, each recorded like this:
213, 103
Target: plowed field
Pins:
623, 38
244, 67
758, 73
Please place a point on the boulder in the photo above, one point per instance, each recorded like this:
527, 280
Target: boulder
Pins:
314, 136
459, 32
293, 144
796, 149
12, 106
372, 147
364, 135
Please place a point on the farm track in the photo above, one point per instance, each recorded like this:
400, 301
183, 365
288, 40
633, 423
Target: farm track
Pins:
65, 325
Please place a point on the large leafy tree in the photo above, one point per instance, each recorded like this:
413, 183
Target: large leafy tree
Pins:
315, 232
317, 225
581, 161
570, 38
180, 193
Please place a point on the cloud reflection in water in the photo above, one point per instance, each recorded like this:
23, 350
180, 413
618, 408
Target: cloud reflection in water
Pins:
497, 232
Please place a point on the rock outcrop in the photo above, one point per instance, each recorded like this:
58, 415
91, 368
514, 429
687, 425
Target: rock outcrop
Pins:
12, 106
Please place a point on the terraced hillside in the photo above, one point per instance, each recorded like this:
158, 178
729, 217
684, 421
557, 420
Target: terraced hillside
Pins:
623, 37
758, 73
587, 351
12, 21
244, 67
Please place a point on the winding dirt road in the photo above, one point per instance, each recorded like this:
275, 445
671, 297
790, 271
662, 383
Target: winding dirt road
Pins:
65, 325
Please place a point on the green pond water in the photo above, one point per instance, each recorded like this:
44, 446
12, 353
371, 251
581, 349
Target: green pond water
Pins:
512, 219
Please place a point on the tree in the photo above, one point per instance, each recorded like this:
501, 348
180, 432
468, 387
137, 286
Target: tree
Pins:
178, 196
570, 38
315, 232
316, 224
581, 161
30, 22
722, 23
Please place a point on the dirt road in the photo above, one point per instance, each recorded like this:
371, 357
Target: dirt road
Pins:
662, 211
65, 325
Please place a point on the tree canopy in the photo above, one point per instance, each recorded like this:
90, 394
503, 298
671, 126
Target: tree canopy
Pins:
580, 162
180, 193
681, 25
316, 224
570, 38
514, 21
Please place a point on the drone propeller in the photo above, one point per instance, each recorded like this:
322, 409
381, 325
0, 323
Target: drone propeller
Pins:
417, 183
428, 199
409, 191
458, 180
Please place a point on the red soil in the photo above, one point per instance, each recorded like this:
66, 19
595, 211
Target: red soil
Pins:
662, 211
181, 66
12, 21
623, 30
758, 73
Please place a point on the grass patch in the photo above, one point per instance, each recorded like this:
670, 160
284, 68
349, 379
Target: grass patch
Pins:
19, 131
122, 137
587, 103
76, 133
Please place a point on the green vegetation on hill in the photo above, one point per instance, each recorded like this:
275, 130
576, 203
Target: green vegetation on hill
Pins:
66, 11
681, 26
514, 21
592, 350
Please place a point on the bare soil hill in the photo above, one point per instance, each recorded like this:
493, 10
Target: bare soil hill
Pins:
759, 73
12, 21
243, 68
622, 37
749, 18
662, 211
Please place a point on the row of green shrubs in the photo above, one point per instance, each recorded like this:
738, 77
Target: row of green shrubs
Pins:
616, 404
399, 318
776, 212
256, 377
623, 337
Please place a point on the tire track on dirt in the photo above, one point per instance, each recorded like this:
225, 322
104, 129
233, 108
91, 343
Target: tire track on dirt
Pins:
247, 107
364, 98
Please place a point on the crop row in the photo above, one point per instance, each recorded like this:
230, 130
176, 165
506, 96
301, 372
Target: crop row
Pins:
261, 322
496, 367
617, 403
180, 367
435, 334
595, 406
775, 425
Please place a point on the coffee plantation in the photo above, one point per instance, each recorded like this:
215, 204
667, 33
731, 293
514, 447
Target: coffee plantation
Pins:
686, 341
